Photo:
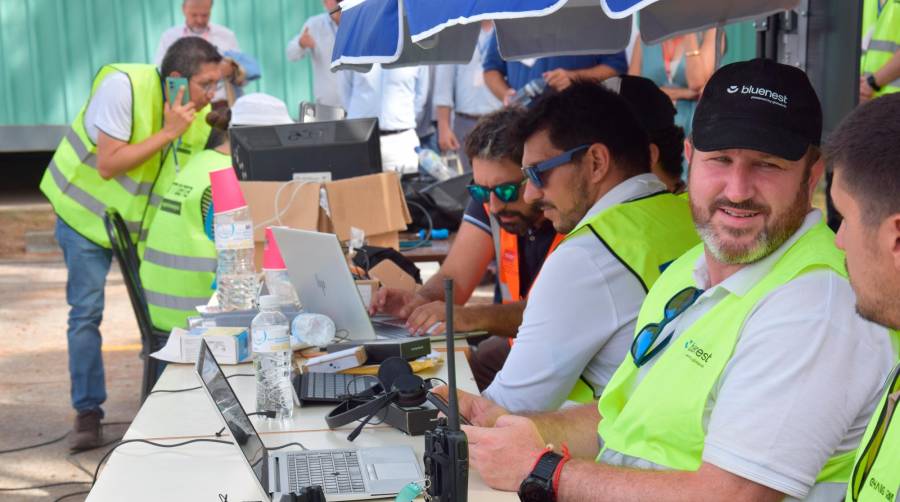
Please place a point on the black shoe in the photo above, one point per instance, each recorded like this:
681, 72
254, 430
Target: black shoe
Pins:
87, 433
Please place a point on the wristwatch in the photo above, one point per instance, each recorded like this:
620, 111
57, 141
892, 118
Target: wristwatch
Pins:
872, 83
538, 486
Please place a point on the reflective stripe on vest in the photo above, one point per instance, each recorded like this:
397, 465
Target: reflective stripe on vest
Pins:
73, 185
883, 40
193, 141
179, 262
876, 473
660, 418
645, 235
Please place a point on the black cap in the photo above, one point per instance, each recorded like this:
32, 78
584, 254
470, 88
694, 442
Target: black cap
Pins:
758, 105
653, 109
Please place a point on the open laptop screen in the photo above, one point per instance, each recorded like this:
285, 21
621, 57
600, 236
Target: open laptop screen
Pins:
236, 419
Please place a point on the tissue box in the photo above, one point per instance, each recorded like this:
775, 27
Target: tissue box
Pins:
228, 345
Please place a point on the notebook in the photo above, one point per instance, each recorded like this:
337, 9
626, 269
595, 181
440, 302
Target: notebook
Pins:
344, 474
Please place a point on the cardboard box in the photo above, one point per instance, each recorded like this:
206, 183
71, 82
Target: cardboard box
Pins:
373, 203
228, 345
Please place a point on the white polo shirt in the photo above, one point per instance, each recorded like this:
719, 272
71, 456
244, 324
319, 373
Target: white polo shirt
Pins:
323, 30
805, 376
579, 320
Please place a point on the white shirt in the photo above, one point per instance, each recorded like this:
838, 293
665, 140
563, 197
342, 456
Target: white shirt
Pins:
218, 35
579, 320
462, 86
109, 110
322, 29
396, 96
805, 376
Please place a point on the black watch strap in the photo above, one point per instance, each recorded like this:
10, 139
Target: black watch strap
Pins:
873, 83
546, 466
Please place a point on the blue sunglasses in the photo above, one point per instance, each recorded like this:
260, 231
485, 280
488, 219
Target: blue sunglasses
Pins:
642, 349
534, 172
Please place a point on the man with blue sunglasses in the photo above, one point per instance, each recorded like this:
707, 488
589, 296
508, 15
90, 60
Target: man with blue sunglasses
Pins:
750, 376
587, 160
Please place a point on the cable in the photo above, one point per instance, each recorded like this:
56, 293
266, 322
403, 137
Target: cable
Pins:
42, 487
281, 212
267, 414
72, 495
421, 242
286, 445
175, 391
52, 441
151, 443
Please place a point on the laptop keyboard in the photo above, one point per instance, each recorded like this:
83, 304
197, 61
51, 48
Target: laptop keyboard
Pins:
388, 330
329, 387
335, 471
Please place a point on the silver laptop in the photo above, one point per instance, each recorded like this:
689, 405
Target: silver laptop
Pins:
343, 474
319, 272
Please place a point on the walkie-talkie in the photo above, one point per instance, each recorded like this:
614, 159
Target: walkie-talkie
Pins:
446, 447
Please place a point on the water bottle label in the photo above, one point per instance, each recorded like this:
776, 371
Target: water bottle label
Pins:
237, 235
271, 339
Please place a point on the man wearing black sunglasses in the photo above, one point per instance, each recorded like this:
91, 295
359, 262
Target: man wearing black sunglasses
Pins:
750, 377
865, 187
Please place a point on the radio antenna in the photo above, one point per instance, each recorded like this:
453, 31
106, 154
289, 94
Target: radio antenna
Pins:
453, 419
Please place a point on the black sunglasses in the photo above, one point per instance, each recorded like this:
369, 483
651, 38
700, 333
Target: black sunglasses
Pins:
506, 192
642, 349
534, 172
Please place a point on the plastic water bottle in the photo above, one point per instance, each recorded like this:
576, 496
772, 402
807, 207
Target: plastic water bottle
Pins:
279, 284
236, 281
431, 163
529, 92
272, 359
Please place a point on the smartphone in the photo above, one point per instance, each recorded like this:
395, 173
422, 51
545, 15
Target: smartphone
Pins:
172, 86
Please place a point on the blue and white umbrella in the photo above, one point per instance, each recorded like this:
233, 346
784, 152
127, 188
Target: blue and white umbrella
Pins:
375, 31
538, 28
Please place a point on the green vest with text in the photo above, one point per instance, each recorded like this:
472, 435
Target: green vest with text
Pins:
876, 472
179, 262
660, 419
645, 235
192, 142
73, 185
881, 32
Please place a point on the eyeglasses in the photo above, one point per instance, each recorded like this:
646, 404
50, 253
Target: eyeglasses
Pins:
208, 86
506, 192
867, 459
534, 172
642, 349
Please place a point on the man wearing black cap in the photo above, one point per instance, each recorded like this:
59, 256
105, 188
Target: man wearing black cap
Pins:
734, 387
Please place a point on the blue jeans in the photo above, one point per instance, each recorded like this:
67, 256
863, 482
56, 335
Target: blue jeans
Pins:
88, 265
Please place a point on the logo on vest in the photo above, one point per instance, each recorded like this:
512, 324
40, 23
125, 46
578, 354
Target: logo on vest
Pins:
696, 354
759, 93
879, 488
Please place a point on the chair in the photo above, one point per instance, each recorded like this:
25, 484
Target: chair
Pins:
126, 255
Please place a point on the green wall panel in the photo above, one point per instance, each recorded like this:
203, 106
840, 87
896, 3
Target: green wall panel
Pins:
50, 49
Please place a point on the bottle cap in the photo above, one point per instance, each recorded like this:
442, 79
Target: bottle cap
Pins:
269, 302
272, 259
226, 191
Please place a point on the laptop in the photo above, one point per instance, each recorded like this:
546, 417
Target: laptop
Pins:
343, 474
319, 272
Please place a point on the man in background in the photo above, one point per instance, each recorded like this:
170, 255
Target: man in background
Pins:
316, 39
197, 24
461, 97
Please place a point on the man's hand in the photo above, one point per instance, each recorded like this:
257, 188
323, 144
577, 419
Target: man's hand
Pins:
394, 302
178, 117
428, 319
558, 79
865, 91
507, 98
505, 454
478, 410
676, 93
447, 140
307, 41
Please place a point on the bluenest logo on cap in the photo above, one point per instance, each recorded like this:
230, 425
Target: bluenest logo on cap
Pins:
732, 89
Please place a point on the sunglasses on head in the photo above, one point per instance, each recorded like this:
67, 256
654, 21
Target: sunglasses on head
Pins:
642, 349
533, 172
506, 192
